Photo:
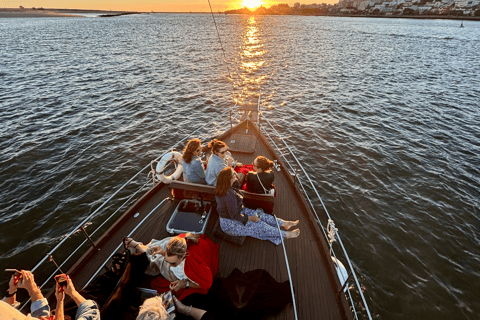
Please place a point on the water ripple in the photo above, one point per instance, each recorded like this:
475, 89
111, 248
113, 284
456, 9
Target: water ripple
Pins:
383, 112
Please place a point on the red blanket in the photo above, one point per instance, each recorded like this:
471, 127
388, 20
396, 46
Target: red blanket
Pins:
245, 169
201, 265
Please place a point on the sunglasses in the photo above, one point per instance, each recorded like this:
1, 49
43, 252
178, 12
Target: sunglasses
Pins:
223, 152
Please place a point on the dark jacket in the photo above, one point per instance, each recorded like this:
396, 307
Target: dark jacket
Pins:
253, 185
230, 206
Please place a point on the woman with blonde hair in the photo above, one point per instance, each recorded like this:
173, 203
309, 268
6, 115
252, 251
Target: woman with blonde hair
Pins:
193, 168
154, 309
237, 220
186, 263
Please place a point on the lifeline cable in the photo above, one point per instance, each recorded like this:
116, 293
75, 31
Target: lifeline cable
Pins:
221, 45
288, 269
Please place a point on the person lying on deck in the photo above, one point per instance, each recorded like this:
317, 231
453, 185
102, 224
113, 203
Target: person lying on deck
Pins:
218, 161
237, 220
193, 169
186, 263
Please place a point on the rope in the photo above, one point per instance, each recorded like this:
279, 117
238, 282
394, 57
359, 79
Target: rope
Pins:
331, 231
328, 215
288, 269
221, 45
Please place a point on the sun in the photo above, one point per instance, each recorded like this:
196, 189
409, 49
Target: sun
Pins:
252, 3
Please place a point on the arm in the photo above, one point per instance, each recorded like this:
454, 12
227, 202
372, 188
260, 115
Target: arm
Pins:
10, 297
179, 284
190, 311
39, 307
87, 309
199, 168
232, 205
72, 292
60, 295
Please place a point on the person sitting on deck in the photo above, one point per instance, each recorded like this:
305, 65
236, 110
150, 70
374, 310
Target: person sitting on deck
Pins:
261, 180
218, 161
193, 169
187, 263
237, 220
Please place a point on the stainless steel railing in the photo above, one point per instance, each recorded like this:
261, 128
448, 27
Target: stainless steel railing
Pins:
85, 221
294, 171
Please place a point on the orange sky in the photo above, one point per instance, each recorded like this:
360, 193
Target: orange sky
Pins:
146, 5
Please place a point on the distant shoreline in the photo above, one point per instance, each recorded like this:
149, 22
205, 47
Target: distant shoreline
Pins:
50, 12
431, 17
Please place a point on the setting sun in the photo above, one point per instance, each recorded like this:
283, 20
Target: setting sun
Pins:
252, 3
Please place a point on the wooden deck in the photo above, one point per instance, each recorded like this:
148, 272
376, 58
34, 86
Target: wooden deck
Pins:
311, 268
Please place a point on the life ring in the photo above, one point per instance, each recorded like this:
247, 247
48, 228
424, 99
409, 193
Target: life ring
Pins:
171, 156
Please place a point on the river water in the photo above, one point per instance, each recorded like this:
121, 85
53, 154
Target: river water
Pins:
384, 114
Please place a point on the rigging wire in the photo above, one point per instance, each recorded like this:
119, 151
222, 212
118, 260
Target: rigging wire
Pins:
221, 45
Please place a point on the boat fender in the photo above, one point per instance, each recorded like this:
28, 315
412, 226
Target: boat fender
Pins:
164, 161
341, 272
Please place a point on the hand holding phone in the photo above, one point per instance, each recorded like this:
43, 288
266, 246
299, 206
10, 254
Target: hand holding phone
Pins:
17, 275
62, 281
167, 299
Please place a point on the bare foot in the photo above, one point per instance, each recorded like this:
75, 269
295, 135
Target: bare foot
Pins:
288, 224
292, 234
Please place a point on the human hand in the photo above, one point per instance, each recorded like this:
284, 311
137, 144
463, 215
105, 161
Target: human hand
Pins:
69, 288
13, 283
177, 285
254, 218
239, 164
59, 293
27, 281
179, 306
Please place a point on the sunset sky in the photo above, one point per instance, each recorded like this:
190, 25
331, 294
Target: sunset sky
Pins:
149, 5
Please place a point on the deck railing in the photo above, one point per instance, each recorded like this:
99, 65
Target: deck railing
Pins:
358, 309
107, 204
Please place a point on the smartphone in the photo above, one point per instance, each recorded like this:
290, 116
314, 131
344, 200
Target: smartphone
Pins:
17, 274
14, 271
61, 280
168, 302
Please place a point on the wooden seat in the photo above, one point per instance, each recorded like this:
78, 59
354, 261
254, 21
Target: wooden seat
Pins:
250, 200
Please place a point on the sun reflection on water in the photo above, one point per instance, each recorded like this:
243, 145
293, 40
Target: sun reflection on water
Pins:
252, 59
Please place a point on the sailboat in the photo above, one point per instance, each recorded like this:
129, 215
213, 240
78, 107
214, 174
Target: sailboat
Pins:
324, 285
461, 25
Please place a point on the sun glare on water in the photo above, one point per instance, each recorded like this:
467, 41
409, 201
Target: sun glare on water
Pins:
252, 3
